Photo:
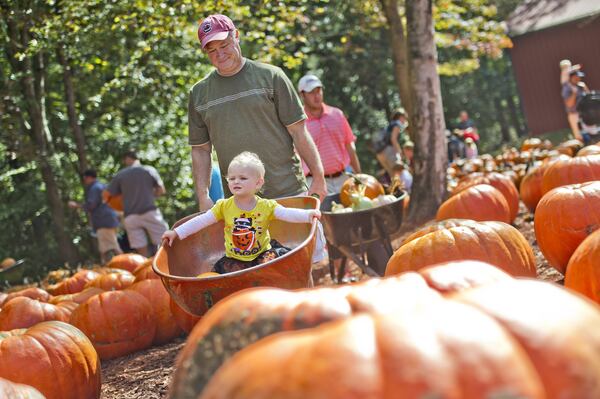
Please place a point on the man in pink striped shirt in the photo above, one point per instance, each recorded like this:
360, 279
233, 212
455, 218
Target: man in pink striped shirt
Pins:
331, 133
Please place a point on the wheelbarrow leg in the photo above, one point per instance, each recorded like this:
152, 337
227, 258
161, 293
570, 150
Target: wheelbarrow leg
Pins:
348, 252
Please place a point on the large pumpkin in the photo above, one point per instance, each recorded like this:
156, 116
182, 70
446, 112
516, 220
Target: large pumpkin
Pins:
497, 180
23, 312
156, 294
112, 281
12, 390
117, 322
480, 202
373, 188
564, 217
73, 284
31, 292
54, 357
571, 171
395, 337
496, 243
583, 270
128, 262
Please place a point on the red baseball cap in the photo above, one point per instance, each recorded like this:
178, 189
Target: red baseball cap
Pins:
214, 27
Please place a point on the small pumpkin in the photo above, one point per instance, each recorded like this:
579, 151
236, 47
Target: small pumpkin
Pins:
117, 322
589, 150
79, 297
373, 188
564, 217
7, 262
128, 262
112, 281
145, 272
480, 202
31, 292
571, 171
114, 201
73, 284
54, 357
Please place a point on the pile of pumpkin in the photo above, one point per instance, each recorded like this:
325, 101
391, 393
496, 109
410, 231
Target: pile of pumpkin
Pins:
53, 339
459, 314
361, 191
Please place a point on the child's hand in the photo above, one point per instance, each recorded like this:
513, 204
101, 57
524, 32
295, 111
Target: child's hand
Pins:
168, 237
315, 214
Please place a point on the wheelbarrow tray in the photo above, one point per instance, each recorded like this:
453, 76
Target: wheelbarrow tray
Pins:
179, 264
14, 274
353, 229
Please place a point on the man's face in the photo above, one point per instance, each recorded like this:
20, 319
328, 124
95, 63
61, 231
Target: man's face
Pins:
574, 79
225, 55
313, 98
87, 180
464, 116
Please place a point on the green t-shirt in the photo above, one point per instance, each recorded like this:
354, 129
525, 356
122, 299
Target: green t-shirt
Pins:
249, 111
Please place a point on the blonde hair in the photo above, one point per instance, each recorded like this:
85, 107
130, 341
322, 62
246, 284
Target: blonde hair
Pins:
250, 160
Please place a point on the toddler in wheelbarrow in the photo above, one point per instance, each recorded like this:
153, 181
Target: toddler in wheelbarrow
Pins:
246, 217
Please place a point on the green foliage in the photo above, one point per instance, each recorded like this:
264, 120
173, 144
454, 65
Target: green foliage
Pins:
133, 62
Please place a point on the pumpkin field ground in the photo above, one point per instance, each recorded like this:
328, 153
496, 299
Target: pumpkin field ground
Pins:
147, 374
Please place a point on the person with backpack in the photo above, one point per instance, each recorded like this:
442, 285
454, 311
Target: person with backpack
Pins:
388, 146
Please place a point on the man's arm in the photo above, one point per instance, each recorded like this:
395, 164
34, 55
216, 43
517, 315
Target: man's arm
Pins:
159, 190
201, 170
394, 138
308, 152
354, 162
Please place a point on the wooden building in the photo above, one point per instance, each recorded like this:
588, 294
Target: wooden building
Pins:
544, 32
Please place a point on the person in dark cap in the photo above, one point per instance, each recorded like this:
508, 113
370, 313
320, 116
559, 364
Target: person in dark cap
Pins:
572, 92
245, 105
138, 185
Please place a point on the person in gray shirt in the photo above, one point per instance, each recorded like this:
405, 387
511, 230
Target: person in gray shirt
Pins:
138, 185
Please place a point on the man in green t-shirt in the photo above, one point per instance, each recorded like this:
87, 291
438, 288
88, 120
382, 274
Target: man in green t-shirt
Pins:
244, 105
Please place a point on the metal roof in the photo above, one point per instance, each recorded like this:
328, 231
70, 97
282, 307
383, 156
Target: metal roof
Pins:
535, 15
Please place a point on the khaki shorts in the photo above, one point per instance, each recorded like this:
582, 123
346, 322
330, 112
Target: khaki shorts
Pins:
107, 240
388, 158
137, 226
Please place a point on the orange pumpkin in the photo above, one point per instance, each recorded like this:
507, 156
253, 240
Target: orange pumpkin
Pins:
7, 262
145, 272
373, 188
480, 202
112, 281
11, 390
496, 243
571, 171
117, 322
583, 273
531, 143
128, 262
73, 284
385, 336
155, 292
497, 180
114, 201
54, 357
564, 217
79, 297
184, 320
531, 185
24, 312
31, 292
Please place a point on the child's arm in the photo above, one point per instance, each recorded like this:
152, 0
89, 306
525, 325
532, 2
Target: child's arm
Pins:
190, 227
296, 215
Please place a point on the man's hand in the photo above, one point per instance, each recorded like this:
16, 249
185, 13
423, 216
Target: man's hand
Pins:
319, 187
205, 203
74, 205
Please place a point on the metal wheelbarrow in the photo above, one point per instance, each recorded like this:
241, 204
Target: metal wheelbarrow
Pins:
12, 275
363, 236
179, 265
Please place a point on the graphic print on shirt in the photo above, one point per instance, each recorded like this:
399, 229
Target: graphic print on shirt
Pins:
244, 236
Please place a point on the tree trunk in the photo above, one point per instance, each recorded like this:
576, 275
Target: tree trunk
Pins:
504, 129
72, 111
399, 53
33, 92
427, 118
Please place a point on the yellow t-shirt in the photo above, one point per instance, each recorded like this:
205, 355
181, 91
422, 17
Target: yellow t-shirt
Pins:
246, 232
